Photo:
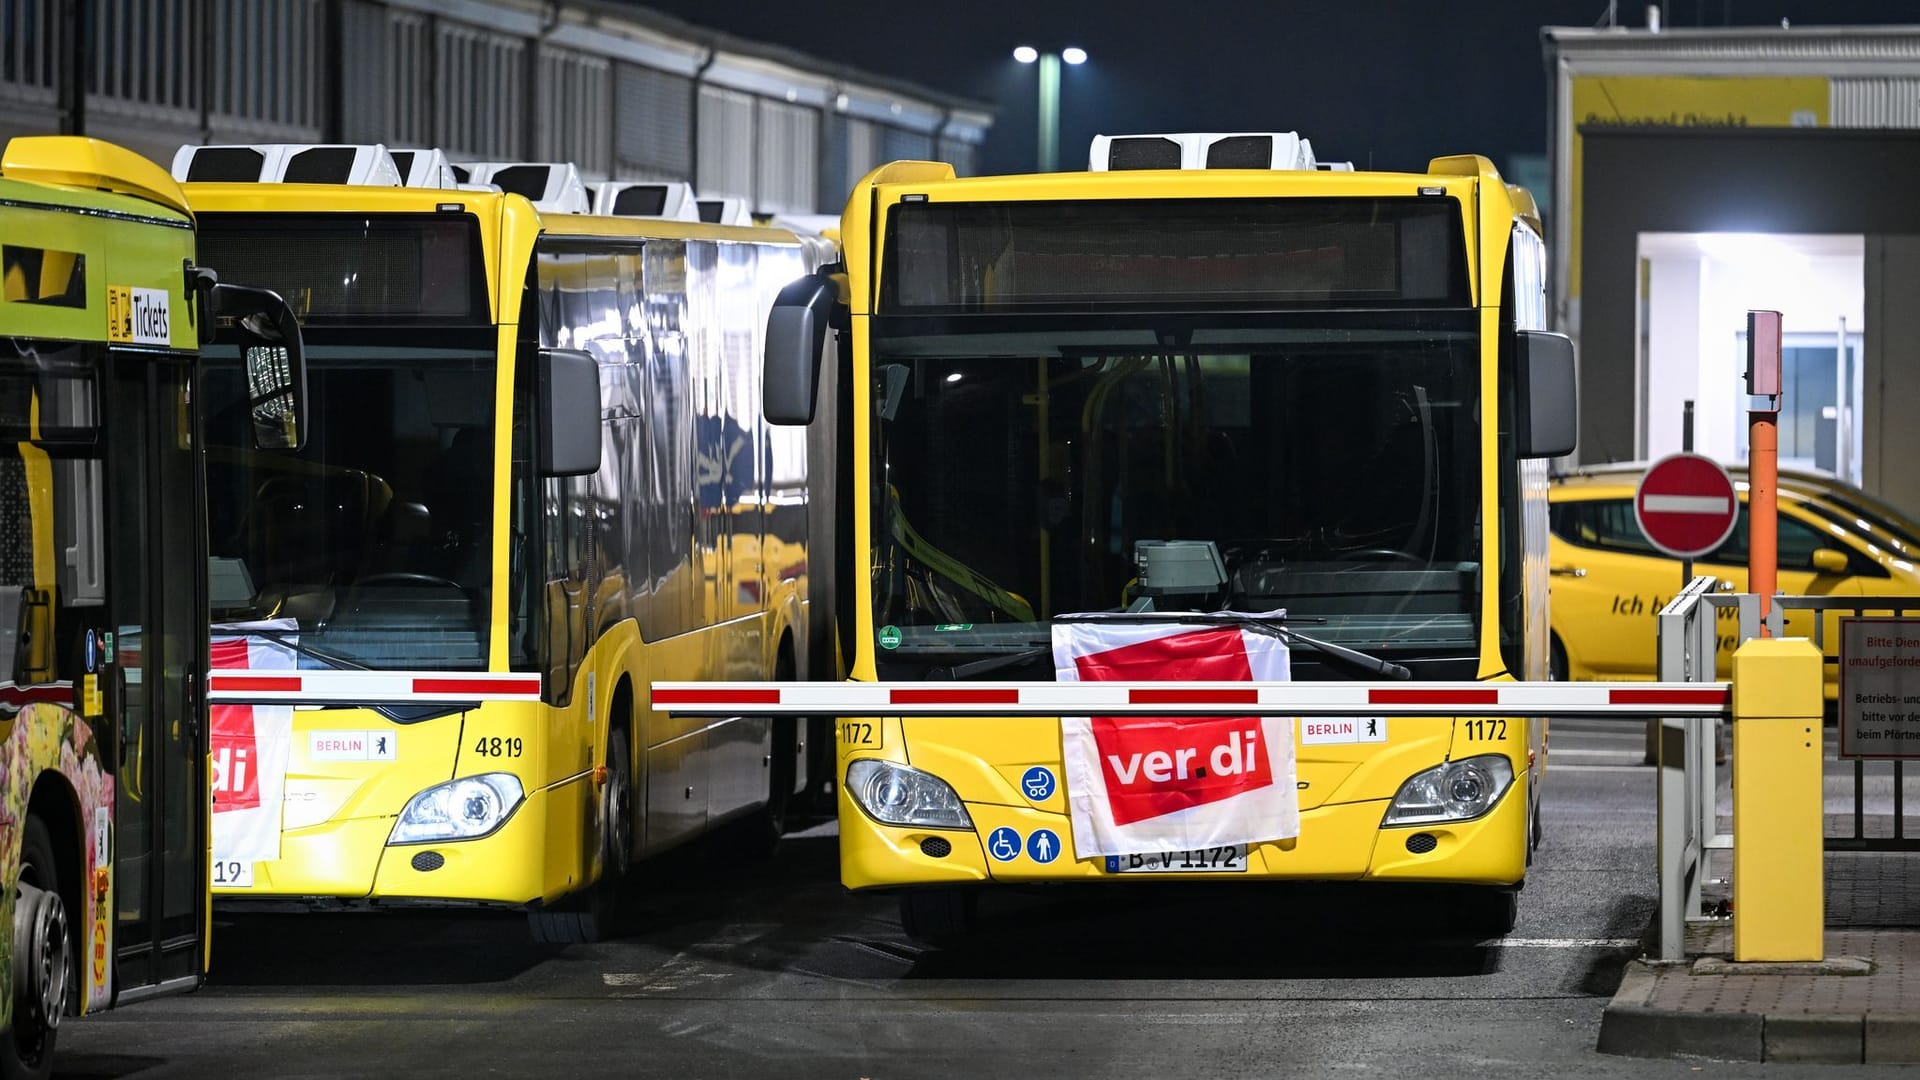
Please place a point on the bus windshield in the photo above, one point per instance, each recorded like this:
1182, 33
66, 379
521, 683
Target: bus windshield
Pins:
377, 536
1334, 460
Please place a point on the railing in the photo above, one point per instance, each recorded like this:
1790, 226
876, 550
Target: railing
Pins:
1689, 643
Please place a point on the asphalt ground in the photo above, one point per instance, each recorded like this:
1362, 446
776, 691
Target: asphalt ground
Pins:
741, 967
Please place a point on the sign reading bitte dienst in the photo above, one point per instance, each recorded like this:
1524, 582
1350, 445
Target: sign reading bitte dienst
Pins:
1879, 688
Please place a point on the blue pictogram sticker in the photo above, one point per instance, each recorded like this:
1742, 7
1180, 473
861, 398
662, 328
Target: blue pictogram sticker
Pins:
1003, 844
93, 652
1038, 783
1043, 846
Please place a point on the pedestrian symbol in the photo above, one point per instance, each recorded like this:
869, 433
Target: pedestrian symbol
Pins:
1003, 844
1038, 783
1043, 846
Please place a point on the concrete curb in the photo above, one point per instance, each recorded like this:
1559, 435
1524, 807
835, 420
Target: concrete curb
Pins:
1630, 1027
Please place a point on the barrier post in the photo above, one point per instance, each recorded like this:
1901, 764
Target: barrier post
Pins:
1779, 910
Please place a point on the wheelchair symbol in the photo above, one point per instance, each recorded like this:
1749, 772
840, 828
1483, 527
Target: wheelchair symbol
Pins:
1004, 844
1038, 783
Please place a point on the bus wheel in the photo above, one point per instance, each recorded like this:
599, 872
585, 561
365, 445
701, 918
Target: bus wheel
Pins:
592, 913
616, 810
1482, 911
42, 960
939, 916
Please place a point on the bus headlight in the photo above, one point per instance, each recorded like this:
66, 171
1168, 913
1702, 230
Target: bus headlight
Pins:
1455, 791
462, 809
897, 795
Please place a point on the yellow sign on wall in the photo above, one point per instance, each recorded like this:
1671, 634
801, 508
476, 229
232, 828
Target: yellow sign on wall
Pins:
1681, 102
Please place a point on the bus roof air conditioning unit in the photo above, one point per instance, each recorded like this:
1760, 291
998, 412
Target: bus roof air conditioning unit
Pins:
554, 187
671, 199
725, 211
424, 168
1202, 150
367, 164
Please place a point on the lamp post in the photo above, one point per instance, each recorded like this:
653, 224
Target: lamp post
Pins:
1049, 96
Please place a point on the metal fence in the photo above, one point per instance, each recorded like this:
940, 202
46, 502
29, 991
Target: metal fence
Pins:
1820, 621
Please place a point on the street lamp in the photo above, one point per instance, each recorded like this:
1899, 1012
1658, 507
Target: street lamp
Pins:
1049, 96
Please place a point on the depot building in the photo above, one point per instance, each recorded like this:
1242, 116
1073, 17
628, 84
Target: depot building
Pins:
1697, 174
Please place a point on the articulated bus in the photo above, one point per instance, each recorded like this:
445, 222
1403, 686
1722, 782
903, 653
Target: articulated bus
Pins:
1311, 389
103, 629
537, 479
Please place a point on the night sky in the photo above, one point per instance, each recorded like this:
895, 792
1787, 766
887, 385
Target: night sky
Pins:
1382, 84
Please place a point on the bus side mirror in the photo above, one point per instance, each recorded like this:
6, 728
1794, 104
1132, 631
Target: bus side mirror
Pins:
569, 413
1547, 414
276, 363
796, 336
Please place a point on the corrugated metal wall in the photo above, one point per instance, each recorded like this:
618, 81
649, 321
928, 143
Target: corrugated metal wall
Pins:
726, 143
1876, 102
167, 72
652, 111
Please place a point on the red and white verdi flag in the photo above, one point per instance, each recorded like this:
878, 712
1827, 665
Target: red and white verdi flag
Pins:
1137, 784
250, 745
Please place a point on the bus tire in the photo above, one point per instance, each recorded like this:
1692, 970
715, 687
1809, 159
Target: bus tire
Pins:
581, 919
1484, 911
42, 960
939, 916
592, 914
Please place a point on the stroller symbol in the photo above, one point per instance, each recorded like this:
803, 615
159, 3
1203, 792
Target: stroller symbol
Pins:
1038, 783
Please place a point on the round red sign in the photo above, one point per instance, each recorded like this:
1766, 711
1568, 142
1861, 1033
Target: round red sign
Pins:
1686, 505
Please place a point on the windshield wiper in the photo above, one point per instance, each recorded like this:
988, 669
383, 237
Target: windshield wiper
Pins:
332, 661
1273, 627
995, 663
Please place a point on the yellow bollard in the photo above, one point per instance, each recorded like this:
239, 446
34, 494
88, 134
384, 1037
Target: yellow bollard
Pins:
1779, 910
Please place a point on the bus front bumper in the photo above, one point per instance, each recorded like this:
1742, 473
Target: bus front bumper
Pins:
350, 862
1337, 842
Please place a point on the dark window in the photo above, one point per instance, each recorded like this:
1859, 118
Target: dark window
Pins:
1241, 152
710, 210
356, 268
1797, 543
528, 180
644, 200
225, 164
1174, 254
321, 165
1605, 524
45, 276
402, 160
1147, 152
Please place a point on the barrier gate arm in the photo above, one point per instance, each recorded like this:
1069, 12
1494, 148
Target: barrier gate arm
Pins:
1609, 700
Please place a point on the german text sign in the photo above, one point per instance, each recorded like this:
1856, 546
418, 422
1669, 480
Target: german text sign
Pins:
1879, 688
1686, 505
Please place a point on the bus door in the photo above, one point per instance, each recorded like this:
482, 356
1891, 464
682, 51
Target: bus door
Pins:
157, 595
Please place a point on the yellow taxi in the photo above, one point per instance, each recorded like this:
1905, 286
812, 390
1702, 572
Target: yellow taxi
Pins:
1609, 581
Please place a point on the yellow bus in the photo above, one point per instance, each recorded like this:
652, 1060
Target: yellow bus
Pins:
537, 479
103, 629
1151, 389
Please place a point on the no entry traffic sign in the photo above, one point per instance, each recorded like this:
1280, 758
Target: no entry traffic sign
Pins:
1686, 505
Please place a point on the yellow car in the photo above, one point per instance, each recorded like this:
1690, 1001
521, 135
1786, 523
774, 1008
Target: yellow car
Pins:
1609, 582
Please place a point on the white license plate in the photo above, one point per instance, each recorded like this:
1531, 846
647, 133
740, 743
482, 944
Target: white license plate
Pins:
1214, 860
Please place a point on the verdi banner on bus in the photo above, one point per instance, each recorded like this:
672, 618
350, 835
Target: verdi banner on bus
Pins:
1139, 784
250, 745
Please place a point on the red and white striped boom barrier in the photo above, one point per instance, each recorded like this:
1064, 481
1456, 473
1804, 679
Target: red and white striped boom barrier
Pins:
1622, 700
245, 686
